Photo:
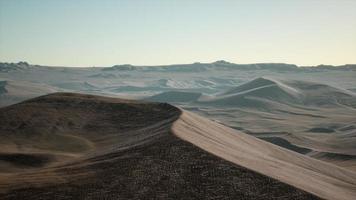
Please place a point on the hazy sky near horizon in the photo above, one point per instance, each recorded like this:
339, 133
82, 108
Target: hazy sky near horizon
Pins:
150, 32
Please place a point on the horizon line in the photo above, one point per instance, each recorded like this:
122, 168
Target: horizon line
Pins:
160, 65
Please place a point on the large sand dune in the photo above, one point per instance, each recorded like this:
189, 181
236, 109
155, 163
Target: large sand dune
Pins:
88, 147
66, 145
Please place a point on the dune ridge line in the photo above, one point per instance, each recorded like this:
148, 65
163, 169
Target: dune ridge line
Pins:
317, 177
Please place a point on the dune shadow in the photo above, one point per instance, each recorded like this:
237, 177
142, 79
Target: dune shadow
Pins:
25, 160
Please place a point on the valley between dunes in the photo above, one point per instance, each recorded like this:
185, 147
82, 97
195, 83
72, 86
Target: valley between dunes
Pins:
76, 146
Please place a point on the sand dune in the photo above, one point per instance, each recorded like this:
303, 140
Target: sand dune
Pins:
266, 91
319, 178
268, 94
131, 153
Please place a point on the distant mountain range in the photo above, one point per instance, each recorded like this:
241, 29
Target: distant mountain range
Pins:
196, 67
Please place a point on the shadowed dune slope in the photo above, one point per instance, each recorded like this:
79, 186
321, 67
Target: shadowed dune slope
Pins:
74, 125
75, 146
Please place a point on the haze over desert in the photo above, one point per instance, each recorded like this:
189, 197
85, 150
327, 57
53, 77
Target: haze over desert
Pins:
243, 100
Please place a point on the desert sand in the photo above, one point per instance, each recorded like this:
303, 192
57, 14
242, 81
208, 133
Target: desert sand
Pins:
320, 178
65, 146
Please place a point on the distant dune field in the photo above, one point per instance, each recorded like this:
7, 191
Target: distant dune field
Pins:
314, 119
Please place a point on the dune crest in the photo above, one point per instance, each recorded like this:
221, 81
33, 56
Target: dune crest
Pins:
317, 177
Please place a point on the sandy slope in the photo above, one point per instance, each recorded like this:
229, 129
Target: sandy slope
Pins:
75, 146
317, 177
131, 151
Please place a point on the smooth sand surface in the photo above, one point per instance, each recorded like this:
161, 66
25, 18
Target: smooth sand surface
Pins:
317, 177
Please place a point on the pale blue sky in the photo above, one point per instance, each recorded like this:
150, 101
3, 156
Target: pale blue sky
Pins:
108, 32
